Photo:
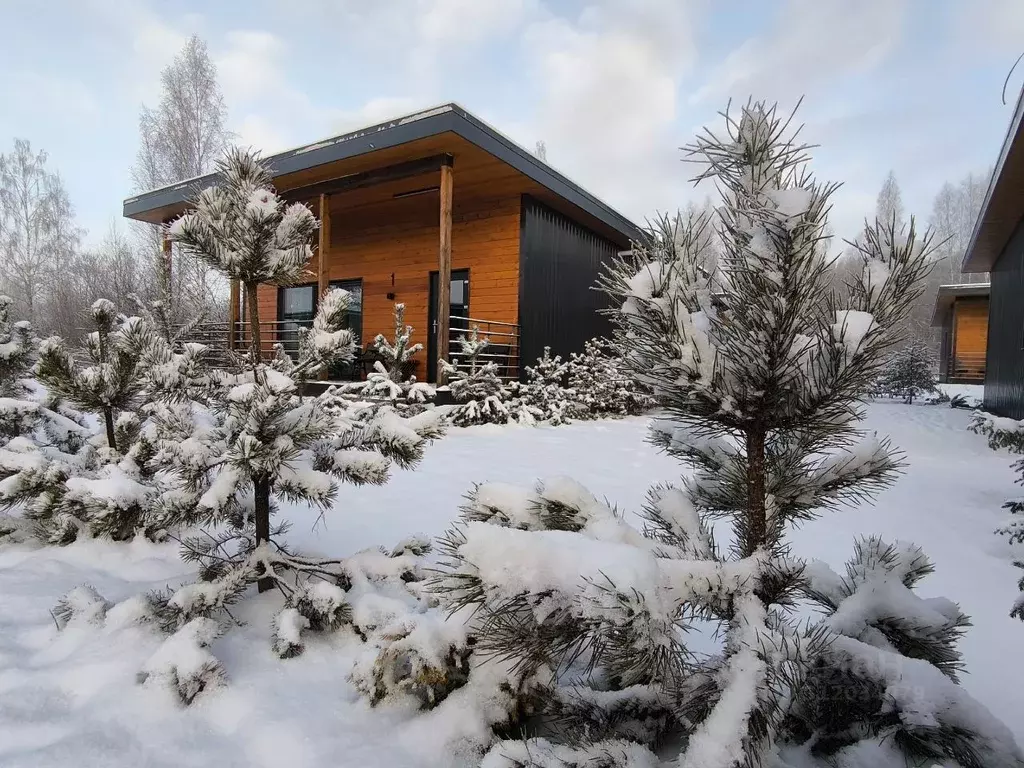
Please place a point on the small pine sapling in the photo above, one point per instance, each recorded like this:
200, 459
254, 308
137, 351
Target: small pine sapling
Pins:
481, 396
390, 381
761, 376
111, 383
543, 396
909, 372
397, 355
601, 385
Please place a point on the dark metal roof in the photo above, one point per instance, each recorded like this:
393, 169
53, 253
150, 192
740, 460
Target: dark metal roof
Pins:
1002, 208
947, 294
447, 118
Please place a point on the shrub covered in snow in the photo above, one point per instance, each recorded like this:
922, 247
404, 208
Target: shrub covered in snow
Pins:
543, 396
761, 375
1008, 433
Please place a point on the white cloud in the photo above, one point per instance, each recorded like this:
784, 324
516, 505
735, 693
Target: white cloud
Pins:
811, 44
48, 95
608, 95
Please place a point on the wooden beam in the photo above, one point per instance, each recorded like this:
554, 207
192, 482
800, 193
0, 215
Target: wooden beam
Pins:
323, 275
383, 175
234, 313
444, 270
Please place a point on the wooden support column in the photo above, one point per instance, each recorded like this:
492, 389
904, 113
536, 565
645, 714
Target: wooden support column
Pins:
165, 244
444, 268
234, 313
323, 245
323, 276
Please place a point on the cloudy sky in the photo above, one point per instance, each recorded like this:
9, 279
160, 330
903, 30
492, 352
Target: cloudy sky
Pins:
613, 87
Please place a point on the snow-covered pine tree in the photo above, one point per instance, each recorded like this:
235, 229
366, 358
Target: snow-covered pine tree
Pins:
252, 440
908, 373
543, 396
18, 350
111, 384
390, 381
601, 384
480, 395
762, 385
397, 354
68, 480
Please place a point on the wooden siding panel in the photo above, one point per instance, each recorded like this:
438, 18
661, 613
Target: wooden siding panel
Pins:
393, 247
1004, 370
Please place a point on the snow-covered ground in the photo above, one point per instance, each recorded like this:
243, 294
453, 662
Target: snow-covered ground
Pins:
71, 699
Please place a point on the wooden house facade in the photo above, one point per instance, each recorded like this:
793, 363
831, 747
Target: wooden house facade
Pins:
961, 315
435, 210
997, 247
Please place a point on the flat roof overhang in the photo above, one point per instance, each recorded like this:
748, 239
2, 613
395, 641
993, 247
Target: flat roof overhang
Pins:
407, 138
947, 294
1004, 201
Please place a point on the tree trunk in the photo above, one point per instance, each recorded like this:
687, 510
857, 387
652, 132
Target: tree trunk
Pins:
757, 529
253, 310
108, 419
261, 493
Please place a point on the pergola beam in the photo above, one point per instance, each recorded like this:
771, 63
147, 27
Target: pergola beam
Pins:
396, 172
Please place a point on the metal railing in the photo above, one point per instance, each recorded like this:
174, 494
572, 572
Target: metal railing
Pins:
502, 348
966, 367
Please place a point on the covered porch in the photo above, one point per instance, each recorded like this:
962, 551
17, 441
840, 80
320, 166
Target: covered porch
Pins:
402, 233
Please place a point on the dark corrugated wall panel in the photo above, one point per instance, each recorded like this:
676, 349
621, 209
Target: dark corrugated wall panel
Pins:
1004, 368
559, 262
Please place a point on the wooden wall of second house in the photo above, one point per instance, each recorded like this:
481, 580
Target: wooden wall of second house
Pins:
401, 237
971, 328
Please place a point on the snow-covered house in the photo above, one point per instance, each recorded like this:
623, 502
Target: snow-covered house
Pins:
997, 247
432, 209
961, 313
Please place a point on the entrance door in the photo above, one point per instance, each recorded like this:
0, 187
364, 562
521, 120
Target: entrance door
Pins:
459, 303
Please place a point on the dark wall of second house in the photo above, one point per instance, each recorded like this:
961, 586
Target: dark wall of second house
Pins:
559, 263
1004, 374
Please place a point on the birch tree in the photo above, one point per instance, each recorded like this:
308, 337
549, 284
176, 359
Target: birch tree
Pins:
37, 229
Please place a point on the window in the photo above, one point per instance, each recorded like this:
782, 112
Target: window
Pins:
296, 307
354, 316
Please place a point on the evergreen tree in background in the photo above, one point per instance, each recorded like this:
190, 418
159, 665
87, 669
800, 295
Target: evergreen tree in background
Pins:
909, 372
601, 385
762, 384
543, 396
